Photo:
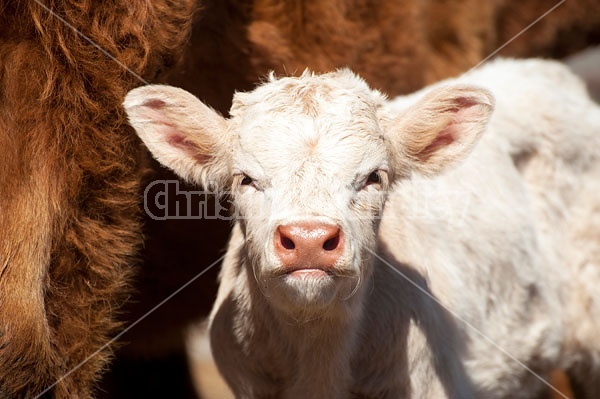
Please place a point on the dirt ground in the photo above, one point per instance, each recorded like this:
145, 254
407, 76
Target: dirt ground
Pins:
206, 378
587, 65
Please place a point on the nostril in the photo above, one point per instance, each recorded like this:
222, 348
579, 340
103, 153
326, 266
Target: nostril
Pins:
287, 243
308, 240
332, 243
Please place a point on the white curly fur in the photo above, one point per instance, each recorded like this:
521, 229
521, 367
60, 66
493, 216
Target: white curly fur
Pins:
479, 272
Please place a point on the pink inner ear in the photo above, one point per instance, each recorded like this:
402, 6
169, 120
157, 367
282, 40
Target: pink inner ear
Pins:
154, 103
173, 136
178, 140
464, 111
443, 139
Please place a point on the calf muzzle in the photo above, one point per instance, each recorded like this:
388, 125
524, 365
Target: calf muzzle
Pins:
308, 246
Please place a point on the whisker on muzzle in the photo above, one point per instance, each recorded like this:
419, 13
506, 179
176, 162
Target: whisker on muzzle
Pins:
358, 278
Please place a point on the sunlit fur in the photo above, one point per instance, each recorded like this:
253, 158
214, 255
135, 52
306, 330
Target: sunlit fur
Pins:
327, 142
477, 236
309, 145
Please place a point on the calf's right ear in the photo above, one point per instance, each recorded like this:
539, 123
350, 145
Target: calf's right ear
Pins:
181, 132
440, 128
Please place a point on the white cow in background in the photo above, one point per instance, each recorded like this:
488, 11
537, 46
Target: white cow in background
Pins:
472, 282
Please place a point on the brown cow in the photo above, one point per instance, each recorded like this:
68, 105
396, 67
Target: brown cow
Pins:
69, 177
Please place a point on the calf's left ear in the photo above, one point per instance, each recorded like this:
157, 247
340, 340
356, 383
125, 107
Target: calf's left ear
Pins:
440, 128
181, 132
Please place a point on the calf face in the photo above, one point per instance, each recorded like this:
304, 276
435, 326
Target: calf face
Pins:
308, 162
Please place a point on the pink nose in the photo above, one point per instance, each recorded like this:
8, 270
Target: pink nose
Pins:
308, 245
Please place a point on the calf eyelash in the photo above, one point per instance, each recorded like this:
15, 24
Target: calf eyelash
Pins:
246, 180
374, 178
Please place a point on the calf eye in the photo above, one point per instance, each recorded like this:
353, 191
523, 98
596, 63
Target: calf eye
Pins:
374, 178
246, 181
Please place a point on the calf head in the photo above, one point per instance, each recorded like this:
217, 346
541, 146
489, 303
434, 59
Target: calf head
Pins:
308, 162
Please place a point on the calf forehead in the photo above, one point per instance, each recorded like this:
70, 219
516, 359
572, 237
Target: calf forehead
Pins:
328, 120
308, 94
297, 139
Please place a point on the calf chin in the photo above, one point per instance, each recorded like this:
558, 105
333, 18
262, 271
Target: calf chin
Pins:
309, 294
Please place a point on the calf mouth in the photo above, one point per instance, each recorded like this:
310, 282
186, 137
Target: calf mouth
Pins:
310, 284
304, 271
310, 272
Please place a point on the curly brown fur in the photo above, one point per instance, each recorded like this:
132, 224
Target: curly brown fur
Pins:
397, 46
69, 176
570, 27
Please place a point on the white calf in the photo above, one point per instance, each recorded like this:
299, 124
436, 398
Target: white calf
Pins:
320, 297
